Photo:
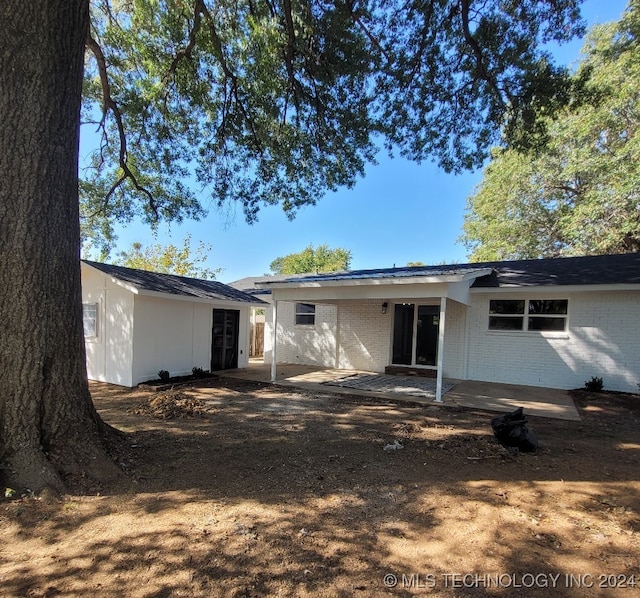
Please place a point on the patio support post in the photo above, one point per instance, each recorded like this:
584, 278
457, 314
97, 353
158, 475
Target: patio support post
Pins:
274, 334
441, 324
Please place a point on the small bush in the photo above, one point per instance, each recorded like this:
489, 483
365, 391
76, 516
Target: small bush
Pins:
594, 385
164, 375
199, 373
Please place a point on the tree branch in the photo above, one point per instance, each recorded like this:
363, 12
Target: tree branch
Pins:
374, 41
109, 105
481, 69
185, 53
289, 57
217, 45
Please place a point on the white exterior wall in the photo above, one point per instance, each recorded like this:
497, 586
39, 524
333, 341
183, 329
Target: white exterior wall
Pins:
361, 334
306, 344
455, 340
602, 340
364, 335
170, 335
109, 355
268, 334
175, 335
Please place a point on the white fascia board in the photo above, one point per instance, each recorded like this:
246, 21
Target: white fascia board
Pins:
192, 299
146, 293
391, 280
458, 291
112, 279
330, 294
556, 289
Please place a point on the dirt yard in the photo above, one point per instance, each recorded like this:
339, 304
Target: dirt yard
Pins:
267, 491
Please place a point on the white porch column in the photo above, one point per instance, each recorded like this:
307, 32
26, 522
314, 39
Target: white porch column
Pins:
441, 324
274, 334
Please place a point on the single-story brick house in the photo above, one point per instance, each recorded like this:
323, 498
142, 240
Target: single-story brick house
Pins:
551, 323
138, 323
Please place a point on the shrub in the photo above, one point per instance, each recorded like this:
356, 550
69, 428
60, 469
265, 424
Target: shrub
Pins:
594, 385
199, 373
164, 375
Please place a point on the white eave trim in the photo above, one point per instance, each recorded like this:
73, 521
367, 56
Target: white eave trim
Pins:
195, 299
383, 280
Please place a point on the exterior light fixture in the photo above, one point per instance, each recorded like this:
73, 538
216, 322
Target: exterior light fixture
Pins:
384, 307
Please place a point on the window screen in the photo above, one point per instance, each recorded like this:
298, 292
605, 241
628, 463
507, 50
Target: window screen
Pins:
90, 319
305, 314
528, 314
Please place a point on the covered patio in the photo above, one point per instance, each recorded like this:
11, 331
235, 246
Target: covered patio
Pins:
385, 318
540, 402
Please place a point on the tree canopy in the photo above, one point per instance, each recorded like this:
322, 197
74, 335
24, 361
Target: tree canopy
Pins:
310, 259
579, 193
170, 259
264, 102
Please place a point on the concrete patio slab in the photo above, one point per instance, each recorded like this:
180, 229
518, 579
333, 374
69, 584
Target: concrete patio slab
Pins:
542, 402
537, 401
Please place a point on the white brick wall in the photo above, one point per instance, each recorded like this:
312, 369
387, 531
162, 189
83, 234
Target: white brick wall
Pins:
309, 345
365, 335
603, 339
454, 340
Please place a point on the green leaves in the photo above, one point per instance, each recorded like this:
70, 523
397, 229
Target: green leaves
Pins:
310, 259
579, 193
169, 259
263, 103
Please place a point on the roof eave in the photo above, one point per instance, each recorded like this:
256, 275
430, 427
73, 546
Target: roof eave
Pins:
383, 280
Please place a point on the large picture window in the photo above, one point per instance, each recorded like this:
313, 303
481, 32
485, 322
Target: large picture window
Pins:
305, 314
535, 315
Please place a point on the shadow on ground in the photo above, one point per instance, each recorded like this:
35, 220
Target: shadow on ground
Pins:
277, 492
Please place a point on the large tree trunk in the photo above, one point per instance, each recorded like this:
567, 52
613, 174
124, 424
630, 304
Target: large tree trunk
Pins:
49, 428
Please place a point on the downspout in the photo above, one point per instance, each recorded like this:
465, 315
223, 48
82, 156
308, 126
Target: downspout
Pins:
274, 334
441, 325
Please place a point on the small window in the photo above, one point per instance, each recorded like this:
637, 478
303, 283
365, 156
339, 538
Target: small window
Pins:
543, 314
305, 314
90, 319
506, 314
548, 314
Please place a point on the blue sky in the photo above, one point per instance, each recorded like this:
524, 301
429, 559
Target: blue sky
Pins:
399, 212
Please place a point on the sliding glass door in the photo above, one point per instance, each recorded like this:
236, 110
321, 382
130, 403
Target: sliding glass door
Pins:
415, 334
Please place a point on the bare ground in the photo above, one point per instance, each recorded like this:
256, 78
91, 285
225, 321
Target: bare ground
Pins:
265, 491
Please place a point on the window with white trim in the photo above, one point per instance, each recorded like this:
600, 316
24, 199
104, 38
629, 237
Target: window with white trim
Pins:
305, 314
90, 319
535, 315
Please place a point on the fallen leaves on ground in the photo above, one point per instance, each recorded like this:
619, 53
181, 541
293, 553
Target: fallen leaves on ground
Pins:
172, 404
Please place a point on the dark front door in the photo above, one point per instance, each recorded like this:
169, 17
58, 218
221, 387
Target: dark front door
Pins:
224, 339
403, 334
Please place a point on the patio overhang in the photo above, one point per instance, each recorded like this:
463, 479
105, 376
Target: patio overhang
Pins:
406, 285
342, 286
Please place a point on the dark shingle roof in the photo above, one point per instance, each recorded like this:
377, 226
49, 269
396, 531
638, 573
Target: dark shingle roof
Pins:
250, 284
174, 285
588, 270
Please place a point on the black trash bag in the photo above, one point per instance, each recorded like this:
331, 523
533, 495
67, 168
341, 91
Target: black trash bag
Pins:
512, 432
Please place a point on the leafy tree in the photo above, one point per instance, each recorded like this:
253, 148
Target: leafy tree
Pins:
169, 259
580, 193
266, 103
310, 259
413, 264
258, 101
